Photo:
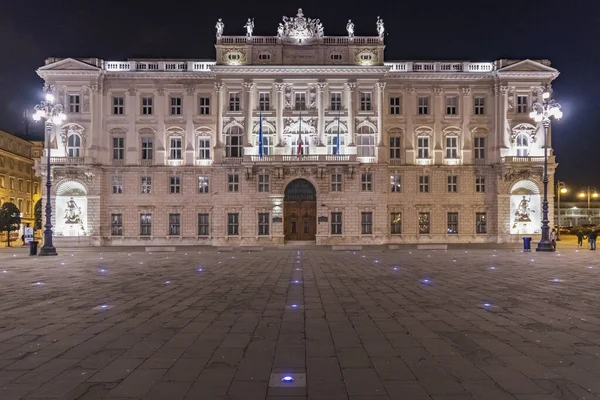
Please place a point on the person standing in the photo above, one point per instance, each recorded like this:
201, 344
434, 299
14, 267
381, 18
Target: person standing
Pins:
579, 238
553, 238
592, 239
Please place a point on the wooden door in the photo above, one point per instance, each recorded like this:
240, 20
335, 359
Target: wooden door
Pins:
300, 219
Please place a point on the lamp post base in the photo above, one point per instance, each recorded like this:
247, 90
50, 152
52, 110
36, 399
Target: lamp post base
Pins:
544, 246
48, 251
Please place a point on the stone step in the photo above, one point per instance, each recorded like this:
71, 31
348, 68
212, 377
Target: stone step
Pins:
159, 248
346, 247
251, 248
224, 248
432, 246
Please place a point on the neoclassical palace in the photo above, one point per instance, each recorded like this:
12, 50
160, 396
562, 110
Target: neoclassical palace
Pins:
296, 137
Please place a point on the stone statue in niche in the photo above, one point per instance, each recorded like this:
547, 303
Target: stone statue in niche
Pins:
523, 211
73, 213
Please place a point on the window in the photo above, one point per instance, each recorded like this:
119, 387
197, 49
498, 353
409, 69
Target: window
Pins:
365, 141
451, 147
480, 184
336, 182
424, 184
147, 148
479, 105
74, 104
522, 145
28, 187
263, 183
176, 105
2, 182
423, 105
20, 205
174, 184
204, 106
12, 183
424, 223
395, 223
35, 186
451, 105
234, 102
263, 224
74, 145
203, 225
336, 223
174, 224
395, 105
117, 184
233, 224
203, 147
233, 142
203, 186
176, 151
146, 184
118, 148
480, 223
522, 105
366, 223
233, 182
336, 101
268, 139
118, 105
145, 224
28, 207
395, 182
147, 103
395, 149
366, 180
452, 184
300, 101
479, 147
264, 101
20, 185
366, 103
116, 224
423, 147
452, 223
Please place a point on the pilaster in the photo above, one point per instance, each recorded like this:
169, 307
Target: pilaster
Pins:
188, 112
279, 86
249, 105
321, 87
130, 140
219, 90
351, 90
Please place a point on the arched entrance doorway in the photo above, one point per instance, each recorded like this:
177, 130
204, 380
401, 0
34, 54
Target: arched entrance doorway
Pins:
300, 210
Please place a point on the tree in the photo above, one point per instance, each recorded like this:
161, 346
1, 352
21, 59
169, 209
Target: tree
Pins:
37, 215
10, 218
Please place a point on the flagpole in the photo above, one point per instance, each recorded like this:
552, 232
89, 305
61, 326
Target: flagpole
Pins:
260, 137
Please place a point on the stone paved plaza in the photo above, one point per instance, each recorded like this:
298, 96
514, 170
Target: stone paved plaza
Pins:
399, 324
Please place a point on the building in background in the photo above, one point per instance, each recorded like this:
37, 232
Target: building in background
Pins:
355, 149
18, 181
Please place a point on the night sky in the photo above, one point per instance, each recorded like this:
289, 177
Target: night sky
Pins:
475, 30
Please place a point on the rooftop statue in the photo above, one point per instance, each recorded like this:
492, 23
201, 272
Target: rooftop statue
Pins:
249, 27
300, 27
380, 28
220, 26
350, 28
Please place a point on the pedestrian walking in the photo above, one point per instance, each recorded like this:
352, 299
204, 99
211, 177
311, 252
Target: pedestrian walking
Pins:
553, 238
579, 238
592, 239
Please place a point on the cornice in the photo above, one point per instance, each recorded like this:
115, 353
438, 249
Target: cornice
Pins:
161, 75
528, 74
67, 72
437, 76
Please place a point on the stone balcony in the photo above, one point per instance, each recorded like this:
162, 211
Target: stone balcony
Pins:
527, 160
306, 159
67, 160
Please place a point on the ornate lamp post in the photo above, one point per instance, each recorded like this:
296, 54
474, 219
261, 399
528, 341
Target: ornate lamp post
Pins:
542, 112
53, 114
591, 192
561, 188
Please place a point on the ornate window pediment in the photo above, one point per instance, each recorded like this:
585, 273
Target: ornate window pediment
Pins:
366, 126
527, 129
203, 131
479, 131
424, 131
452, 131
147, 131
333, 127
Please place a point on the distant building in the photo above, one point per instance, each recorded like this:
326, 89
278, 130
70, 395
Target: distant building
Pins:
577, 213
391, 152
18, 182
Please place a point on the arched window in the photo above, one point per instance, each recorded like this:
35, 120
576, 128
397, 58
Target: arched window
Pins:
522, 145
234, 142
268, 139
365, 141
332, 139
74, 145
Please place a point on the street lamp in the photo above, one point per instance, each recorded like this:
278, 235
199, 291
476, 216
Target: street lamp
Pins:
542, 112
589, 193
560, 189
53, 114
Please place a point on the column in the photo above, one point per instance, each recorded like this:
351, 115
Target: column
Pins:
131, 110
279, 110
219, 108
321, 86
380, 105
160, 145
248, 104
503, 136
350, 105
466, 109
188, 112
409, 104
